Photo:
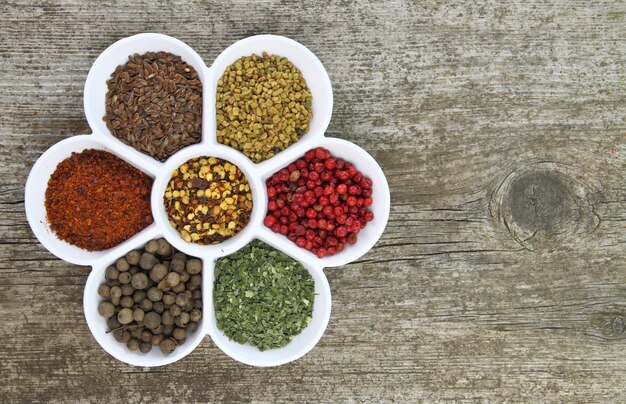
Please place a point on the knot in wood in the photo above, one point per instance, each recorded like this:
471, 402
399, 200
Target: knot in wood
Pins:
542, 205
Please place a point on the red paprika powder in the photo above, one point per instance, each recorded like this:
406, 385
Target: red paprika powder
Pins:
95, 200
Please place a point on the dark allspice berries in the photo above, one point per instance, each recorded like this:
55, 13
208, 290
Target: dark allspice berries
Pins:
141, 307
167, 346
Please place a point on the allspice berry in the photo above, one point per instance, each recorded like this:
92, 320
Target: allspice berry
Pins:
133, 257
179, 333
152, 247
139, 280
125, 316
149, 300
133, 345
151, 320
104, 291
194, 266
147, 261
158, 272
167, 346
106, 309
122, 265
124, 277
172, 279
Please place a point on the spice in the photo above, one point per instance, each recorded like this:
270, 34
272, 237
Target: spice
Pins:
144, 310
154, 104
262, 296
263, 105
208, 200
95, 200
319, 202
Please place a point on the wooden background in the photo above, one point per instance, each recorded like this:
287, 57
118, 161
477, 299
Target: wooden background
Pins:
501, 127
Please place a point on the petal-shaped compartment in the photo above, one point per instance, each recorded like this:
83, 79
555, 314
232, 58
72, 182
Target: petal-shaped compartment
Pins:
259, 201
117, 54
98, 325
364, 163
298, 347
309, 65
35, 200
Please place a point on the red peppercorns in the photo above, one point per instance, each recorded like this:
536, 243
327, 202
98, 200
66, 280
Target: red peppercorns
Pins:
319, 202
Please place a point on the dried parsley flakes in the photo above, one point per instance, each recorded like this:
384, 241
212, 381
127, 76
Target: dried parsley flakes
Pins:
262, 296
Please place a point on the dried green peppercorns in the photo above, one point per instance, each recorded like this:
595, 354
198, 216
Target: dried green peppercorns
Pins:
151, 305
262, 296
263, 105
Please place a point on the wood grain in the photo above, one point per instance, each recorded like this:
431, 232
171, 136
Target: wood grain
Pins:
501, 128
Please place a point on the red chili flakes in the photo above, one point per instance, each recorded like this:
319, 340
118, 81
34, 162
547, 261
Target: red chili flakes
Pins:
95, 200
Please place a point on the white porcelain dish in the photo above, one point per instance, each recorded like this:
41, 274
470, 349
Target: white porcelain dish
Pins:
94, 103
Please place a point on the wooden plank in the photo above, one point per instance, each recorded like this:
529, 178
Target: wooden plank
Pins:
501, 129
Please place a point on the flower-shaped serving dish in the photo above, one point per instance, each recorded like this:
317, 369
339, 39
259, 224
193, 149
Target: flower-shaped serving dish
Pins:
95, 91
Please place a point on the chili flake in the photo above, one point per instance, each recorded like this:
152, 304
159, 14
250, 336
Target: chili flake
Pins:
95, 200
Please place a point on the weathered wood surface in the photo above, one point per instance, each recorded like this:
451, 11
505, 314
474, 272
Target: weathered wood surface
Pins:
501, 128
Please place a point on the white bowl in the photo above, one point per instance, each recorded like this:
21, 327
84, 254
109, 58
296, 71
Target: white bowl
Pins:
95, 91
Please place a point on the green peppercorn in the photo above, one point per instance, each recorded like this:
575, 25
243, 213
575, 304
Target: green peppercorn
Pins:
167, 346
124, 278
133, 257
152, 320
104, 291
106, 309
111, 273
194, 266
154, 294
125, 316
145, 347
133, 344
158, 272
139, 280
127, 302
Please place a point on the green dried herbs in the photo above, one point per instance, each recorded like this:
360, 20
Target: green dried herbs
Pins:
262, 296
263, 105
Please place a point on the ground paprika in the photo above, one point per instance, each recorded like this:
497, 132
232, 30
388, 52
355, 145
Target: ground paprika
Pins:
95, 200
